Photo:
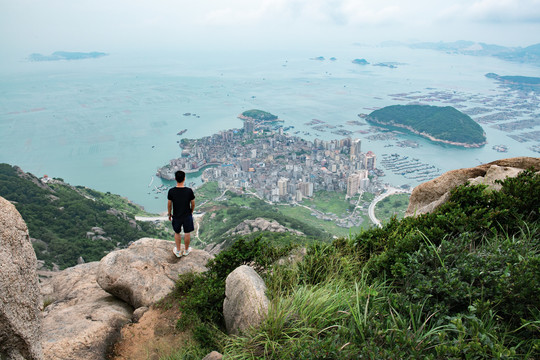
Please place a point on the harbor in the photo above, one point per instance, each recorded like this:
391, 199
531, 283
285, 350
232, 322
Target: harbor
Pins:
410, 168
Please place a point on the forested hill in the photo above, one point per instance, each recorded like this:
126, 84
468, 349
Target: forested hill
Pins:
439, 124
67, 222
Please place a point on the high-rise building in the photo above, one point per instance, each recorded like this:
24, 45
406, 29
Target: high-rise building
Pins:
244, 165
249, 126
307, 189
364, 183
298, 195
356, 147
353, 183
282, 186
370, 161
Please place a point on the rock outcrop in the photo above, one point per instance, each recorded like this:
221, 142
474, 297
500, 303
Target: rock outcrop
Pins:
214, 355
428, 196
260, 224
245, 304
20, 300
82, 321
214, 249
146, 271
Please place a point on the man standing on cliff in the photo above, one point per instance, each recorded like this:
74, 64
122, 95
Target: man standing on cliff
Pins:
182, 200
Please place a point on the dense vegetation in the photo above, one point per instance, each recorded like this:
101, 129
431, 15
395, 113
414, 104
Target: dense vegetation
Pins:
443, 123
460, 283
59, 216
392, 206
238, 208
259, 115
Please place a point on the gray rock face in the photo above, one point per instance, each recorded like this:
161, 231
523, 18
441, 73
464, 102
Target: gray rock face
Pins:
83, 321
495, 173
261, 224
138, 313
430, 195
245, 303
146, 271
20, 299
214, 249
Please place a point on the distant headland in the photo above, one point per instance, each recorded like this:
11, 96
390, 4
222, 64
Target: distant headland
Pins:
529, 82
439, 124
66, 55
529, 54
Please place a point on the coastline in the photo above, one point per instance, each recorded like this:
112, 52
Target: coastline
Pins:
429, 136
167, 174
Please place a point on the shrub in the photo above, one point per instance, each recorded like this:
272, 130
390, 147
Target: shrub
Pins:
201, 295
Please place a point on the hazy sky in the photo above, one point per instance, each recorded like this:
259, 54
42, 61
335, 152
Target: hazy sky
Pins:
110, 25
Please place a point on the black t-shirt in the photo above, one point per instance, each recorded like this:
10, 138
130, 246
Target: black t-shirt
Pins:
181, 198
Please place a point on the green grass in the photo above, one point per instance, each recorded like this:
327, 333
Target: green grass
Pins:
304, 215
323, 201
207, 192
393, 205
329, 202
115, 201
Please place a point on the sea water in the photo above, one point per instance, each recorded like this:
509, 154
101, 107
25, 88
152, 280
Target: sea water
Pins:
110, 123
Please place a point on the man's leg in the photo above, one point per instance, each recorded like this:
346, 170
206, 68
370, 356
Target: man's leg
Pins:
178, 241
187, 238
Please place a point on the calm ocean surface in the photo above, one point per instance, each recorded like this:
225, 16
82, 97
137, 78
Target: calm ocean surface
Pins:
109, 123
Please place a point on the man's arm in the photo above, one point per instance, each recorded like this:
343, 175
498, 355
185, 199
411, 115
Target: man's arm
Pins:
192, 205
169, 209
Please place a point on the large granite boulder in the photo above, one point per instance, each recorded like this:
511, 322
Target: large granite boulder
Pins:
82, 321
20, 300
430, 195
146, 271
245, 303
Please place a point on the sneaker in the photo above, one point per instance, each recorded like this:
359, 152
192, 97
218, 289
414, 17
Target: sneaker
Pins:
177, 253
186, 252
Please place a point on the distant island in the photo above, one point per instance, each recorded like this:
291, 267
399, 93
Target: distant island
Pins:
259, 116
439, 124
360, 62
529, 54
66, 55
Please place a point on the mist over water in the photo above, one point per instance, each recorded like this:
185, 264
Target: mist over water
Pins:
109, 123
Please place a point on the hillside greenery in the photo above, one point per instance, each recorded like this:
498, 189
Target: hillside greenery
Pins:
59, 216
443, 123
235, 208
462, 282
392, 206
259, 115
227, 209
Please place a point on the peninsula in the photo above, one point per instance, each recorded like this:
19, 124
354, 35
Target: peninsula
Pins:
439, 124
515, 80
66, 55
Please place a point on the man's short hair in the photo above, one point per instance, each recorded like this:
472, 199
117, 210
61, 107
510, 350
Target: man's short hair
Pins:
180, 176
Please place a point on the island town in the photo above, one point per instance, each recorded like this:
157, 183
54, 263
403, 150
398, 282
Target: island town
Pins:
276, 166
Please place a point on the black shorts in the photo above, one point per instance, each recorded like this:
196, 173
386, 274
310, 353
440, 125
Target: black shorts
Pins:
186, 223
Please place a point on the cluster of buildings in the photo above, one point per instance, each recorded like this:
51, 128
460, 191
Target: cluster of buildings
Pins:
275, 165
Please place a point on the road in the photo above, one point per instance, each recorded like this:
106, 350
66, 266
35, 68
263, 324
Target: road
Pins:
371, 210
